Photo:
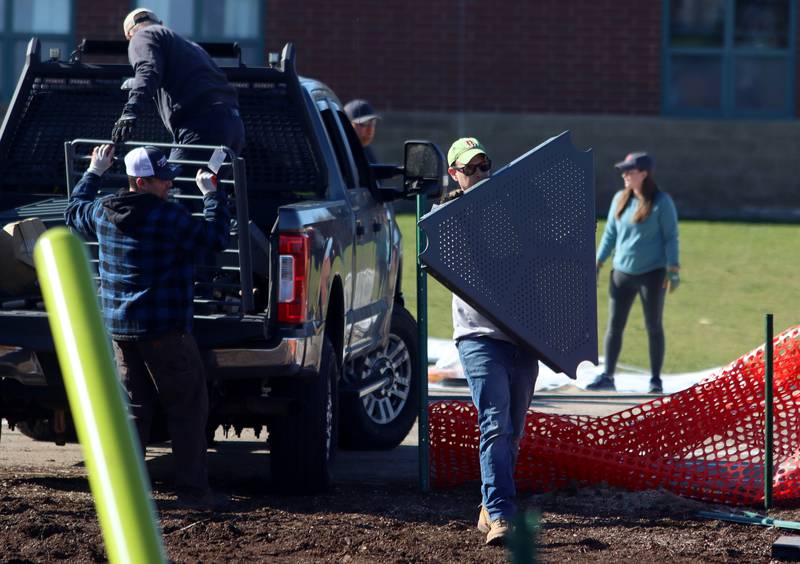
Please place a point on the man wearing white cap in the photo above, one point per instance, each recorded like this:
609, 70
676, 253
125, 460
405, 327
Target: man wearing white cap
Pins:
148, 245
193, 96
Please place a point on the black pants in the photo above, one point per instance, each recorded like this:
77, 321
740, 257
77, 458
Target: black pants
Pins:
220, 125
622, 291
169, 370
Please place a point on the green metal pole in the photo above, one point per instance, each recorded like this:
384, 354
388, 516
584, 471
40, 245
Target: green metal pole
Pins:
522, 542
422, 328
768, 413
114, 460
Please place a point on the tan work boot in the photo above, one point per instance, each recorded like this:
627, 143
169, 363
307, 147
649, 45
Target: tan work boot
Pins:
496, 531
483, 521
499, 529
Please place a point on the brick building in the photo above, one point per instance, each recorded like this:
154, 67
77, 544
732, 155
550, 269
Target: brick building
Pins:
708, 86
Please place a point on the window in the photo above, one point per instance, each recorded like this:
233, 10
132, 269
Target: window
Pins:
215, 21
50, 20
343, 156
729, 58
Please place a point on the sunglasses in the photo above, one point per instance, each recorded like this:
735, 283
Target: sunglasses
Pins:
469, 170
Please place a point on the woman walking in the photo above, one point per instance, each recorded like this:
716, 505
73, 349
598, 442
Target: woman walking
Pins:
642, 232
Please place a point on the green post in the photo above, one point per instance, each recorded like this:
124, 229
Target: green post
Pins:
522, 542
114, 461
422, 328
768, 413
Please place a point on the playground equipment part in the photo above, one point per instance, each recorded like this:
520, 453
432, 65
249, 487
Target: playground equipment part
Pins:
519, 248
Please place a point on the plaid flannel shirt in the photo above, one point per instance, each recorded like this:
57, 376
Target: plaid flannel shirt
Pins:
148, 247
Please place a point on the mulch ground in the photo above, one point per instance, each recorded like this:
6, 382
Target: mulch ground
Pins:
46, 518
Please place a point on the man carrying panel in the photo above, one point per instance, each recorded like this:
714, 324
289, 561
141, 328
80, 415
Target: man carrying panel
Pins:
501, 375
193, 96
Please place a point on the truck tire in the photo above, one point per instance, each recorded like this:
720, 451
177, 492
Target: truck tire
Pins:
43, 430
382, 419
303, 445
37, 429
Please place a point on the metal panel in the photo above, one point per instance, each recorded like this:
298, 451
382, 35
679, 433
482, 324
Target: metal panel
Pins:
519, 247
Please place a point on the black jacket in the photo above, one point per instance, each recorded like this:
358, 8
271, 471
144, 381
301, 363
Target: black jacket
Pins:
177, 73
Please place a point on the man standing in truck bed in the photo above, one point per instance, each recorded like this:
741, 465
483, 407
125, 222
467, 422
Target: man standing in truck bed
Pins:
193, 96
147, 250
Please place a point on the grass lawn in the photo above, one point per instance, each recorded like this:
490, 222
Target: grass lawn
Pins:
731, 274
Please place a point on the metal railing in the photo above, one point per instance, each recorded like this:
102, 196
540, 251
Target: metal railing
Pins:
231, 174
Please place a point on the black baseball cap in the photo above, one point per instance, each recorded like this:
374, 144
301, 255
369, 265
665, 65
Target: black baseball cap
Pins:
360, 111
639, 161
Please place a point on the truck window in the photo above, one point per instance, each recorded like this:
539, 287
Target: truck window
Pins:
339, 148
362, 165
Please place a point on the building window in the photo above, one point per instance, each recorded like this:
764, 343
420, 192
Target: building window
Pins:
215, 21
49, 20
729, 58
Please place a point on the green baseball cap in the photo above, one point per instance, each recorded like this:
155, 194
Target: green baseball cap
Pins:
464, 150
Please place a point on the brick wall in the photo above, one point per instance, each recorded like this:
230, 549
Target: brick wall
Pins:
543, 56
100, 20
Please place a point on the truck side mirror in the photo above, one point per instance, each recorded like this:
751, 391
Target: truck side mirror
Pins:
424, 170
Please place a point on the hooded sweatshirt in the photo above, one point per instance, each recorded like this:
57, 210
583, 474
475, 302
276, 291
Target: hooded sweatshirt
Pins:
148, 247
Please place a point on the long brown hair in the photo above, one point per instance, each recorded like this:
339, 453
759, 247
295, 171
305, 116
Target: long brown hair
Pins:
649, 191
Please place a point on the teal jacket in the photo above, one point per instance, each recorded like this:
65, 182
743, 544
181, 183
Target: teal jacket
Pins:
641, 247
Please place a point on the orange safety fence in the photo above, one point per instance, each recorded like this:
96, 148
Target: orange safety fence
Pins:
706, 442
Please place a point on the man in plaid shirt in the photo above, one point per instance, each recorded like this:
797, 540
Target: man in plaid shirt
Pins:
148, 246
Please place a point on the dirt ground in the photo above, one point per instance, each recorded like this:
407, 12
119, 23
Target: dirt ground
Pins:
374, 513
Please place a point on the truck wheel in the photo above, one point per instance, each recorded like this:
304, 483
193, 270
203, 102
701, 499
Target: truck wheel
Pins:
43, 430
36, 429
382, 419
302, 445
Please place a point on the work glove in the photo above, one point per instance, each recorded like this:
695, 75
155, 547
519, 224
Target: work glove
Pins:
206, 181
672, 280
123, 129
102, 158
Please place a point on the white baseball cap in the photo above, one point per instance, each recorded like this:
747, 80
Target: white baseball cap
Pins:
138, 16
147, 162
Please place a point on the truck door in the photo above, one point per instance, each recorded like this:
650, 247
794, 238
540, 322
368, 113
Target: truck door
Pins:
371, 237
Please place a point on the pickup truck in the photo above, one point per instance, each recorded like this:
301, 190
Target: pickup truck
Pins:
301, 322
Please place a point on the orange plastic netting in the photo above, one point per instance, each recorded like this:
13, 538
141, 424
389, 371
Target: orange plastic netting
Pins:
706, 442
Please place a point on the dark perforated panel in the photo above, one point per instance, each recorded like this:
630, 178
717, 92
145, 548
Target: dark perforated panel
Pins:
278, 153
520, 248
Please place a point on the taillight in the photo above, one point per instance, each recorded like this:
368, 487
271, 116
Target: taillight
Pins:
292, 284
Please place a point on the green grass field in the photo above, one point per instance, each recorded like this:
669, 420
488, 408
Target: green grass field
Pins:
731, 274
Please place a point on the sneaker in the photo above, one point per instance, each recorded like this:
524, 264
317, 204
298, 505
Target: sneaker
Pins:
499, 530
602, 382
656, 387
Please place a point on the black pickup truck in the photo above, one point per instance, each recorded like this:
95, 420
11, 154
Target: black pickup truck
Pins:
301, 321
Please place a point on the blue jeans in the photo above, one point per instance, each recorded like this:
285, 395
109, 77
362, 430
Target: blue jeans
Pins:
501, 378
